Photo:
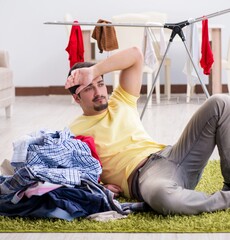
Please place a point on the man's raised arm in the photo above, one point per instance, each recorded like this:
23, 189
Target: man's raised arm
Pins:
129, 61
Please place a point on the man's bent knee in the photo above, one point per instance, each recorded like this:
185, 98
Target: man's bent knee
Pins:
220, 99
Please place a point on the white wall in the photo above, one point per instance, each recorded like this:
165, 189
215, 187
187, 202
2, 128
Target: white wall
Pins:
37, 51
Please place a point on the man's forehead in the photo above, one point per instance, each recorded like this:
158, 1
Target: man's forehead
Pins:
95, 82
98, 80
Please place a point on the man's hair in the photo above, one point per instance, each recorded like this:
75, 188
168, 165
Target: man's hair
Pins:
75, 66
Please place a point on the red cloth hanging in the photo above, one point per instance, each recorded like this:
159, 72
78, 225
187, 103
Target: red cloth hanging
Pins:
75, 46
207, 59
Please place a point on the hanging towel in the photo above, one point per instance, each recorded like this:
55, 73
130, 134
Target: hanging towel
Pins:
150, 58
105, 36
192, 39
206, 52
75, 46
162, 39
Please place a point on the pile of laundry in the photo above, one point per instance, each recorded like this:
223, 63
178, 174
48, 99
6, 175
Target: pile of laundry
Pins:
56, 175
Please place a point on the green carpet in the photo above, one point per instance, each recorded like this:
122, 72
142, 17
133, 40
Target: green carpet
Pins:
141, 222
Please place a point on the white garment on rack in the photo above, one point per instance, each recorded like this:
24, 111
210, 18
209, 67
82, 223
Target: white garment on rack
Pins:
150, 58
162, 42
161, 38
192, 40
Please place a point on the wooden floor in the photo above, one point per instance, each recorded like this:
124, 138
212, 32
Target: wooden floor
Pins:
113, 236
164, 122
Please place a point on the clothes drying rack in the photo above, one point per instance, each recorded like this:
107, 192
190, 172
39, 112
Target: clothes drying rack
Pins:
176, 28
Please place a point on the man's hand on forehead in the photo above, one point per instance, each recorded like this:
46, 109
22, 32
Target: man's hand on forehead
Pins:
81, 76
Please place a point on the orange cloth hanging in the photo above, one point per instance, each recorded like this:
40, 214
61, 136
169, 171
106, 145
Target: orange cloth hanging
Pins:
207, 59
105, 36
75, 46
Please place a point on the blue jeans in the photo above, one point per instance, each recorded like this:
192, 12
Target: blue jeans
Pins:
168, 179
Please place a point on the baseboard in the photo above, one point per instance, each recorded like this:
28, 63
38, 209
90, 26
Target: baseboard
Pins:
37, 91
60, 90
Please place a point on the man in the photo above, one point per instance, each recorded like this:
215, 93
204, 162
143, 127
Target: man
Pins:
163, 176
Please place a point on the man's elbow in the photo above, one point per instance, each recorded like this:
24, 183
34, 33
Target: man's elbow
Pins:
138, 53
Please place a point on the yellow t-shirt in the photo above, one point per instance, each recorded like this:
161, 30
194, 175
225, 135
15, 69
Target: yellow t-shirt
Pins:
120, 138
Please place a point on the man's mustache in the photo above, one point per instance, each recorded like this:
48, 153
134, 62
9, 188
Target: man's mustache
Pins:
98, 97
